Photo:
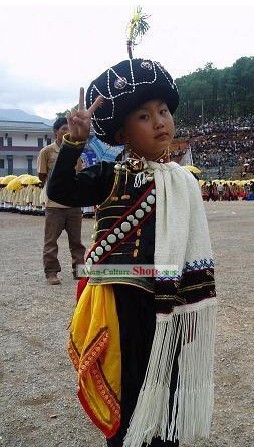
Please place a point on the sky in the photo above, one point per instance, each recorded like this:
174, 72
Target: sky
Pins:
49, 50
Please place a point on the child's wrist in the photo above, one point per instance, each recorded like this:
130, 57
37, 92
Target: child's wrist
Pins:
72, 140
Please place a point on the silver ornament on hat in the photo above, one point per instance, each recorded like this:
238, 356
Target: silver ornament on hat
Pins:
120, 83
147, 65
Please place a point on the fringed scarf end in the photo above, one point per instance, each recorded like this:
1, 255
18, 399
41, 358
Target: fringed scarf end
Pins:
184, 338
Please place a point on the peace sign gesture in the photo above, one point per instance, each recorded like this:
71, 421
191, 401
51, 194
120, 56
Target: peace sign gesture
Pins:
79, 120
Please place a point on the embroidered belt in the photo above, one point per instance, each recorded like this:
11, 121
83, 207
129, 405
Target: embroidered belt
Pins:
123, 228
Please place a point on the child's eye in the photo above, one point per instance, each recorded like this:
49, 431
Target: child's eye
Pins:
144, 116
163, 111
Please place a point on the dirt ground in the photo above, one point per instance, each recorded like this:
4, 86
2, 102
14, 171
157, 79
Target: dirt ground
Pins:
39, 407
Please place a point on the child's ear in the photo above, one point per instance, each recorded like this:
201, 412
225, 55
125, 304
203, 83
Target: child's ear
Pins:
120, 137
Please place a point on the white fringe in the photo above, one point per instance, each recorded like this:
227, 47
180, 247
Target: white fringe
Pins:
193, 326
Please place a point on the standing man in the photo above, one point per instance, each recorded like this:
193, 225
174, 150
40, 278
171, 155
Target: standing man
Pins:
220, 189
59, 217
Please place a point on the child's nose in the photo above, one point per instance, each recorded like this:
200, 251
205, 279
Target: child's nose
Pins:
158, 122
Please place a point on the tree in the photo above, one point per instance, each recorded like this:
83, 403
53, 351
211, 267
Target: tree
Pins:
226, 93
62, 114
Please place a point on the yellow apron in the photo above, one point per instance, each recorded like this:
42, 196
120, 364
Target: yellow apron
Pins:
94, 348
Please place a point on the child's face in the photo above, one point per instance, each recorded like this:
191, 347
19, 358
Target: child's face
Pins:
149, 130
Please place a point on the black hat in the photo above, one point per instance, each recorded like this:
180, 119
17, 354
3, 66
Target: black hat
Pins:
125, 87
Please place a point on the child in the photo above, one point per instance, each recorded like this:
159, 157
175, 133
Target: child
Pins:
142, 346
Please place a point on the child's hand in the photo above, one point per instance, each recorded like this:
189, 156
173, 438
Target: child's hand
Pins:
79, 120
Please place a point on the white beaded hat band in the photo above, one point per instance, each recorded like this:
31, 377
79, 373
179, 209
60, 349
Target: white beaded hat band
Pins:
125, 87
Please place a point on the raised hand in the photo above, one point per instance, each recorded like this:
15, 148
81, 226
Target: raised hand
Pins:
79, 120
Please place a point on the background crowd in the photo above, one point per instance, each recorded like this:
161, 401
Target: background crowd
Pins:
222, 144
220, 190
216, 145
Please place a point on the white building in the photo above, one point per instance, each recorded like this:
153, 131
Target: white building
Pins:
20, 143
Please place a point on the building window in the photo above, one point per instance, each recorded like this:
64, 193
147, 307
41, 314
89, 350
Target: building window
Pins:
10, 164
1, 141
1, 163
48, 140
9, 141
40, 142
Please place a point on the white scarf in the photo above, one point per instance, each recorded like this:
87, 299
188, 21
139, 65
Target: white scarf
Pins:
181, 239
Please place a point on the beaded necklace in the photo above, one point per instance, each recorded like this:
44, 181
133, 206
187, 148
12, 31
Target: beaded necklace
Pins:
163, 158
135, 162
